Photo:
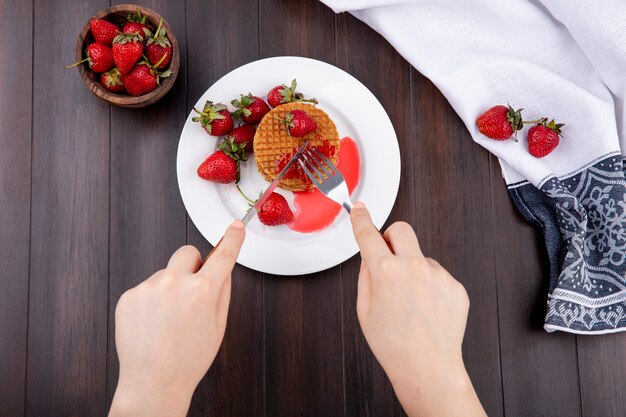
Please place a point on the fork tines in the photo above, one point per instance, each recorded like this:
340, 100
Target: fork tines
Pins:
326, 177
317, 166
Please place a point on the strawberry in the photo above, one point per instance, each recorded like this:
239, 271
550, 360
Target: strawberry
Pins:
127, 50
143, 78
218, 167
275, 211
500, 122
298, 123
134, 28
223, 165
159, 46
250, 109
543, 138
243, 135
282, 94
99, 58
215, 118
103, 31
112, 81
137, 24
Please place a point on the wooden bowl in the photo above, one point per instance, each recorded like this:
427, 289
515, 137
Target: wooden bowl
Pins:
118, 14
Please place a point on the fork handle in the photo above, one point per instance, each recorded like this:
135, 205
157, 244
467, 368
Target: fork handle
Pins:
347, 205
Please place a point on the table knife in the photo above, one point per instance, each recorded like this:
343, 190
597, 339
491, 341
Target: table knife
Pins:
268, 191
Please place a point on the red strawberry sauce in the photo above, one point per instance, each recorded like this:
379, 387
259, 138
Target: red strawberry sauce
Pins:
314, 211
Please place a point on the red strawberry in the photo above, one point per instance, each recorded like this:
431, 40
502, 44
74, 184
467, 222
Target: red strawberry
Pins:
159, 46
298, 123
143, 78
138, 23
250, 109
103, 31
223, 165
215, 118
282, 94
127, 50
543, 137
500, 122
275, 211
219, 167
138, 29
99, 58
112, 81
243, 135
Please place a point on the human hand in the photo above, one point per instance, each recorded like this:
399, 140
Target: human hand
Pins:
169, 328
413, 315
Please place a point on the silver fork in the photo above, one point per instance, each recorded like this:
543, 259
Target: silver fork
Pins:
326, 177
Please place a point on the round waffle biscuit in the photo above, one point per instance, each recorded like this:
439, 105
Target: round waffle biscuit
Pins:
273, 146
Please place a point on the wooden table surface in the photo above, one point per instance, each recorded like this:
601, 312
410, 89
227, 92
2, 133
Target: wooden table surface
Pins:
89, 207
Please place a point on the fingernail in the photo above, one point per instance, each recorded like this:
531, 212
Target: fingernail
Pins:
358, 205
237, 224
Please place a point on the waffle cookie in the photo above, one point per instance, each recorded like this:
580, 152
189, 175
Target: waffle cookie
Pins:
273, 147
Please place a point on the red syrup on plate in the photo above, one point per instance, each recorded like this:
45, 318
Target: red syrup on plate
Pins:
315, 211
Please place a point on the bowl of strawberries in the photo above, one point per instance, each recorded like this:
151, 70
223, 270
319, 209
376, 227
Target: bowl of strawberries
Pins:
128, 56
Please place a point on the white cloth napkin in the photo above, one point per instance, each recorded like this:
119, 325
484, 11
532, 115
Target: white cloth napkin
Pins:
559, 59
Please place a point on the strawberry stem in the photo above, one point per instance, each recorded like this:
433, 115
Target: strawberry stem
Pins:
527, 122
77, 63
244, 195
306, 100
156, 34
160, 61
154, 68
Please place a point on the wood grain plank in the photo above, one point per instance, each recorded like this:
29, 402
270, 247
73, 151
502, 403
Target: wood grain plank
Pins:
303, 339
147, 220
453, 210
539, 370
16, 23
303, 345
602, 373
234, 384
67, 334
359, 49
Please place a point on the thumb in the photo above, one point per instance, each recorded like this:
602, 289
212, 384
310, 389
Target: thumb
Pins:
222, 260
370, 241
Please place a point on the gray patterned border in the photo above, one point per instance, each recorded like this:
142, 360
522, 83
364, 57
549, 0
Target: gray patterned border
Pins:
583, 218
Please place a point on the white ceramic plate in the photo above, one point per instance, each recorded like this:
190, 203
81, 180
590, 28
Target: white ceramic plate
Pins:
357, 114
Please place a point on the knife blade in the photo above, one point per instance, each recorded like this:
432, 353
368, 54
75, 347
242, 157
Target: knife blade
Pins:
269, 190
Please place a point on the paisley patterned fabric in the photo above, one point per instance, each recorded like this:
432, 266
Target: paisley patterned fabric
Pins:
583, 217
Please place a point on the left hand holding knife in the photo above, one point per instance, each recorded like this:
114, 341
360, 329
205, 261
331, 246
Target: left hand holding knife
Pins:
177, 316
